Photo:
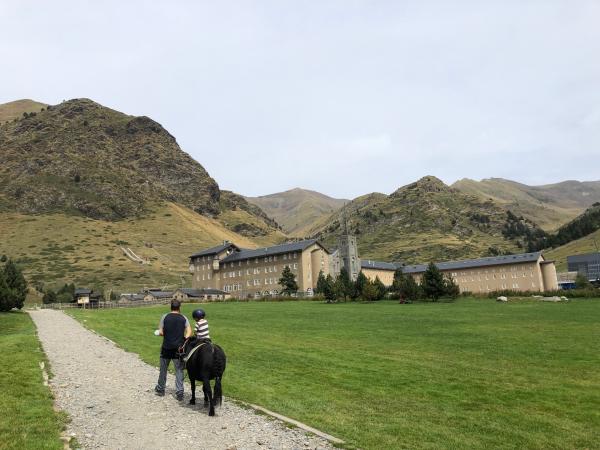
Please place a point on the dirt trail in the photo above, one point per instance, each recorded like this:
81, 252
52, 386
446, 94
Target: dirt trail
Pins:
109, 396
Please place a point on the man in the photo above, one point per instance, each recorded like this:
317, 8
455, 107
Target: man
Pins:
174, 327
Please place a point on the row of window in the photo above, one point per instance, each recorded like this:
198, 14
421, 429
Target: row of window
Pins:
501, 269
257, 270
502, 276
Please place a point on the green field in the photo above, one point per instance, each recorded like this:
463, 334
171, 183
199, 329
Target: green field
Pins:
470, 374
27, 419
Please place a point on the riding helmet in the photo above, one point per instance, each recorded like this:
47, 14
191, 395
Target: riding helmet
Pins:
198, 314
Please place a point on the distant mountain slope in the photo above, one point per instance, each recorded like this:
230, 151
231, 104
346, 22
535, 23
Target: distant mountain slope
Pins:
81, 157
14, 110
78, 178
550, 206
297, 210
56, 248
425, 221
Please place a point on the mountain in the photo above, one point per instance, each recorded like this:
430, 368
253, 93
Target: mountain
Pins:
298, 209
550, 205
104, 180
426, 221
15, 110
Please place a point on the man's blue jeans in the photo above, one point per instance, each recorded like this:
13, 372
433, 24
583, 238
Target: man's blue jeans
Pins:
162, 377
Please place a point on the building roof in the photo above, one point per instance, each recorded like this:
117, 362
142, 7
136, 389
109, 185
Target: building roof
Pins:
161, 294
269, 251
479, 262
588, 257
133, 297
214, 250
195, 293
82, 291
378, 265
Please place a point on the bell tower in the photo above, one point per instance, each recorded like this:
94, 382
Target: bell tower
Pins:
348, 249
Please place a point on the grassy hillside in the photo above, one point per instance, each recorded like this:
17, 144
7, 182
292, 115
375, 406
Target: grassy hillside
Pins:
58, 248
587, 244
473, 374
423, 221
298, 209
14, 110
550, 206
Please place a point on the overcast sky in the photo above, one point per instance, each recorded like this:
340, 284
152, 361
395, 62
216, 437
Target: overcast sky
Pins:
343, 97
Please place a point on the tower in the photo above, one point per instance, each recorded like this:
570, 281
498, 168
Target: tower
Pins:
348, 249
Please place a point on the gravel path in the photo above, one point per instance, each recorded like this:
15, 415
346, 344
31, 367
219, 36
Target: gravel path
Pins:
109, 396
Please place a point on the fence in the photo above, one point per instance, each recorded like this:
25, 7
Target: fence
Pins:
104, 305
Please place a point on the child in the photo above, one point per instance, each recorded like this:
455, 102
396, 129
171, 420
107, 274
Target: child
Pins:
201, 329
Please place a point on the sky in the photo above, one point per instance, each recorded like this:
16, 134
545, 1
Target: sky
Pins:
343, 97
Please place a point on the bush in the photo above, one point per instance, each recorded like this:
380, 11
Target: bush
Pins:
49, 297
16, 286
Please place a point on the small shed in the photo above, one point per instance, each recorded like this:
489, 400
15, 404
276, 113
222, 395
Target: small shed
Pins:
158, 295
197, 295
131, 298
82, 296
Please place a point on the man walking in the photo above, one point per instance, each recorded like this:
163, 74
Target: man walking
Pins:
174, 327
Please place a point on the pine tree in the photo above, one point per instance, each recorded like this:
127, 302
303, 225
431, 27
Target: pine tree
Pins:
321, 282
288, 281
451, 289
370, 293
409, 289
359, 284
380, 287
6, 294
16, 283
329, 289
49, 297
399, 279
344, 285
432, 283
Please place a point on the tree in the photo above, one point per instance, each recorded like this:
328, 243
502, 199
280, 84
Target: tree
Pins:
15, 282
6, 294
359, 284
288, 281
380, 287
451, 289
432, 283
321, 282
328, 289
370, 292
581, 281
409, 289
399, 278
3, 258
50, 297
344, 286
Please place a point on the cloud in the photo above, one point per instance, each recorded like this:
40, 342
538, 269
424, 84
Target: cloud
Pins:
337, 96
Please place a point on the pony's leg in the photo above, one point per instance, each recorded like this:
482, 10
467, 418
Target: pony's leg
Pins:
193, 386
208, 393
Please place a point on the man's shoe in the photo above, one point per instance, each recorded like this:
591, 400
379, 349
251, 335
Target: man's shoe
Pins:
159, 392
179, 396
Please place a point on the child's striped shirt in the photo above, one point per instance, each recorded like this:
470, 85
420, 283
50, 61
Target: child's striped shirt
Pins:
202, 329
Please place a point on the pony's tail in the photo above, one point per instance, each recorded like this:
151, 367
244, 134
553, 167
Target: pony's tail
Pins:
218, 395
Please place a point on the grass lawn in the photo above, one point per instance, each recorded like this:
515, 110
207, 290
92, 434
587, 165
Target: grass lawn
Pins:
470, 374
27, 418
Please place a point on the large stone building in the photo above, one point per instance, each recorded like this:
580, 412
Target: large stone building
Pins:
523, 272
253, 273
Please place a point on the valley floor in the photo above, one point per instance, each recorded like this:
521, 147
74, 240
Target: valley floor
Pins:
468, 374
108, 394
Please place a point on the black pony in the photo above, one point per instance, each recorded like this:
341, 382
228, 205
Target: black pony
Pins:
205, 363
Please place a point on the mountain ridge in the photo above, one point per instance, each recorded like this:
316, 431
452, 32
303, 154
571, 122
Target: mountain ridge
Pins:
297, 209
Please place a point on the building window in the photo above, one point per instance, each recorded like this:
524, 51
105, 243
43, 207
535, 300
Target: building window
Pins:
295, 264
